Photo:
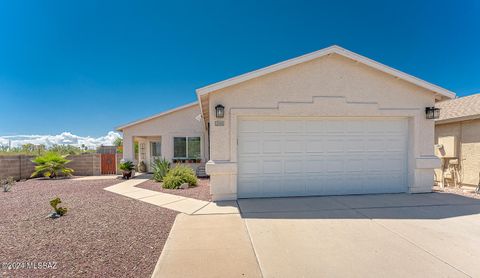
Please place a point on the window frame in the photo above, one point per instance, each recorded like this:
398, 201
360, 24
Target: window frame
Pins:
186, 147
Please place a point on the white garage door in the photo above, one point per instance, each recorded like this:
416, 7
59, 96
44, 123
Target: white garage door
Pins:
308, 156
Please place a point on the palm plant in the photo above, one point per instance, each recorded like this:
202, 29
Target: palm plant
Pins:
160, 169
127, 167
50, 165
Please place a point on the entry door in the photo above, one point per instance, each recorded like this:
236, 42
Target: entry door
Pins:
155, 151
323, 156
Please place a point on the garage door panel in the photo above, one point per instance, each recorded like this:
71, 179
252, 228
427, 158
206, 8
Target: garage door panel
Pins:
315, 145
374, 144
293, 126
272, 146
249, 167
293, 185
251, 187
272, 167
293, 166
293, 146
246, 126
315, 166
334, 127
333, 144
334, 165
272, 126
314, 126
354, 144
249, 146
298, 157
354, 166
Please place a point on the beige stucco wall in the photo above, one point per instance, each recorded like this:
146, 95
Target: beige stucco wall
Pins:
467, 135
22, 167
330, 86
164, 128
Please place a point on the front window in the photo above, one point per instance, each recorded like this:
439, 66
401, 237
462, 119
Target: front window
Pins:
186, 147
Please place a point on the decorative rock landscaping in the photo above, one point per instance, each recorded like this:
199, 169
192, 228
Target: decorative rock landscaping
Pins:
102, 235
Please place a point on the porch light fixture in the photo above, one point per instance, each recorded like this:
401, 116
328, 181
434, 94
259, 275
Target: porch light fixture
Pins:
432, 113
219, 111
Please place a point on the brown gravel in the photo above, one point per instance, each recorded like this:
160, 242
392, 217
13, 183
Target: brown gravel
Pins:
464, 191
200, 192
102, 235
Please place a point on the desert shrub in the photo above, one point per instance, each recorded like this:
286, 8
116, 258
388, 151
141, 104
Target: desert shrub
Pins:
179, 175
160, 169
58, 210
127, 166
7, 184
50, 165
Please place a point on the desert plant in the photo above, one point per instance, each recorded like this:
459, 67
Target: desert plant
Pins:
178, 175
7, 184
51, 164
160, 169
127, 167
58, 210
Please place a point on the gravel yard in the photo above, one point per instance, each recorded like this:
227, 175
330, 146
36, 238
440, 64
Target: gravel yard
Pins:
200, 192
464, 191
102, 235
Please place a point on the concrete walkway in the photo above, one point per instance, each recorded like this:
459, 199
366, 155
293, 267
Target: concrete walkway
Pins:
102, 177
208, 246
170, 201
209, 237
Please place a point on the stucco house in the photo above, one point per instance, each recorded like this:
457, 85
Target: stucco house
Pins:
326, 123
457, 135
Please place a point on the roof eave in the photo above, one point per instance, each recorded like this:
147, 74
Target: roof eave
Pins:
317, 54
457, 119
122, 127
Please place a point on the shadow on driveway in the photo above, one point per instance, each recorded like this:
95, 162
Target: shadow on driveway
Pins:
381, 206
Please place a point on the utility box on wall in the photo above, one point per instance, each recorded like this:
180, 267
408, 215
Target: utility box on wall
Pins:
446, 147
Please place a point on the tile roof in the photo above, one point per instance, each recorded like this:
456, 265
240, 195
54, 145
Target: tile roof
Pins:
459, 109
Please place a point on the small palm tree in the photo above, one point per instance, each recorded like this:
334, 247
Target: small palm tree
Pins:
50, 165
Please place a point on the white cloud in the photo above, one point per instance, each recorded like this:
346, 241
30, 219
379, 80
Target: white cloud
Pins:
65, 138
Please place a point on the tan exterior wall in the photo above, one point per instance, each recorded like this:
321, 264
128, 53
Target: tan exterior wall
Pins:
467, 135
16, 166
85, 164
164, 128
21, 166
330, 86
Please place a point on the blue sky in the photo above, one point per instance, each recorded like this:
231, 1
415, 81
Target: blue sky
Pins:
86, 67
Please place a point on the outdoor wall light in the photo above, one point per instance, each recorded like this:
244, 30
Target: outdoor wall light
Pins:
220, 111
432, 113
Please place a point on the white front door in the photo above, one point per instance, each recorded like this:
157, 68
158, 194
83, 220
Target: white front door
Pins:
321, 156
155, 152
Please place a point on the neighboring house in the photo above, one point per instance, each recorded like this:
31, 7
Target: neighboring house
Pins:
326, 123
458, 131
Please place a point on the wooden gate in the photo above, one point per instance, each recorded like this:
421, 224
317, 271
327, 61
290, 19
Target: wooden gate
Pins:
108, 164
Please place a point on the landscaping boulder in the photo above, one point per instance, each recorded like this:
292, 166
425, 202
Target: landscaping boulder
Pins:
184, 186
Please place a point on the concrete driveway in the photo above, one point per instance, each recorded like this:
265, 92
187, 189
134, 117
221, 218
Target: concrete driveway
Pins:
392, 235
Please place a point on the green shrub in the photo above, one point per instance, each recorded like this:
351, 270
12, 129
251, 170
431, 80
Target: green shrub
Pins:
127, 166
179, 175
50, 165
160, 169
59, 210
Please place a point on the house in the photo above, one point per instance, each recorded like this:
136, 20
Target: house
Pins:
457, 135
326, 123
